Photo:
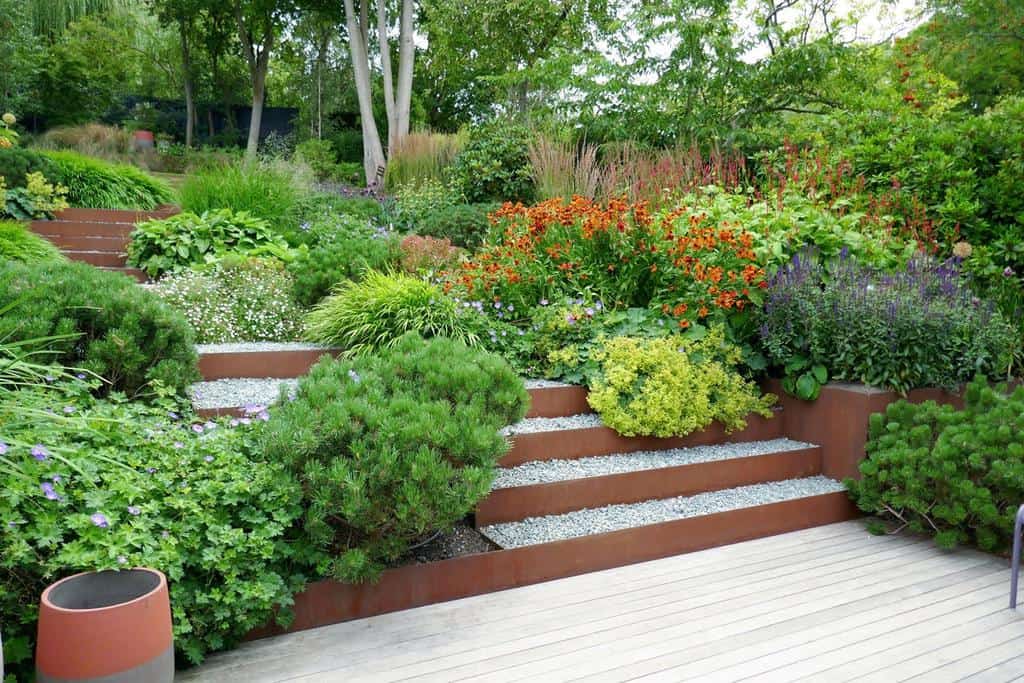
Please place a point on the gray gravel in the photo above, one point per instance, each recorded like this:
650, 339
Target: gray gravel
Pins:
614, 517
545, 384
552, 424
247, 347
231, 393
544, 471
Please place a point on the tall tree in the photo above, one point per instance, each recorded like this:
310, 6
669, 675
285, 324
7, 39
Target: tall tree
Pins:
259, 23
181, 14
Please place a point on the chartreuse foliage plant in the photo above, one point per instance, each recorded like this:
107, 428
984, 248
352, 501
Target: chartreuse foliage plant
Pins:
93, 484
955, 474
375, 312
673, 386
394, 446
170, 244
99, 184
18, 243
37, 199
108, 325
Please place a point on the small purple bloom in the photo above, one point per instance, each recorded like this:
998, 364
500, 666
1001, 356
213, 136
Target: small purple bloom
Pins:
173, 415
265, 416
599, 305
304, 227
56, 478
133, 510
49, 378
80, 375
210, 425
571, 319
39, 452
121, 559
197, 428
100, 520
253, 408
151, 470
1008, 272
497, 304
68, 410
245, 420
354, 376
3, 448
208, 458
48, 491
511, 307
543, 302
589, 312
178, 444
234, 422
164, 534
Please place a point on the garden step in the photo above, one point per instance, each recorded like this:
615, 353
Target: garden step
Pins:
554, 487
97, 258
134, 273
88, 242
81, 229
659, 521
583, 435
285, 360
115, 215
231, 396
555, 399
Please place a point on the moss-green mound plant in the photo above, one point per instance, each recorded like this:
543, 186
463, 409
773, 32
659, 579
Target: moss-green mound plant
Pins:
393, 446
375, 312
99, 184
954, 474
18, 243
108, 324
673, 386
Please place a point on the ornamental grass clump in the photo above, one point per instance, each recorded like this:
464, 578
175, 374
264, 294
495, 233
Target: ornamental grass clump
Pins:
673, 386
18, 243
394, 446
376, 311
99, 184
921, 326
957, 475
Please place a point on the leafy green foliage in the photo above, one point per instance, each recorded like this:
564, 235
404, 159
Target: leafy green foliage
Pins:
378, 310
197, 506
921, 327
170, 244
673, 386
954, 474
235, 299
98, 184
466, 225
494, 165
18, 243
344, 248
107, 323
16, 163
37, 199
394, 446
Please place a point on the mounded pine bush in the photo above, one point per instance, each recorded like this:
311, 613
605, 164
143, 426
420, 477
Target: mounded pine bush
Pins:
394, 446
107, 324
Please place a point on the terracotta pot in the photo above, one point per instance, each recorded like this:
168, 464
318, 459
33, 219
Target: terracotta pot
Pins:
110, 626
143, 139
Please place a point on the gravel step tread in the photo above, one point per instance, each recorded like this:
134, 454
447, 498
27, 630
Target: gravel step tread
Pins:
546, 384
259, 347
533, 425
243, 391
548, 471
535, 530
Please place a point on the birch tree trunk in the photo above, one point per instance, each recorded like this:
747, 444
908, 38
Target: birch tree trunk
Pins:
385, 66
190, 101
373, 151
406, 60
257, 56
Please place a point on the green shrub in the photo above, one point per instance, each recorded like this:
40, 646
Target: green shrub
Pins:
466, 225
318, 155
494, 165
18, 243
100, 184
344, 248
170, 244
375, 312
414, 204
673, 386
268, 190
954, 474
16, 163
348, 146
235, 299
37, 199
197, 506
122, 332
321, 209
920, 327
392, 447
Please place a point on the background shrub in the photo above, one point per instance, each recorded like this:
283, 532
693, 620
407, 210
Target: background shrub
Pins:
124, 334
919, 327
198, 506
394, 446
494, 165
955, 474
673, 386
348, 146
318, 155
466, 225
170, 244
422, 157
235, 299
376, 311
268, 190
17, 162
428, 255
100, 184
18, 243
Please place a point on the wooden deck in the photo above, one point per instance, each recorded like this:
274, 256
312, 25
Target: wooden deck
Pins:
831, 603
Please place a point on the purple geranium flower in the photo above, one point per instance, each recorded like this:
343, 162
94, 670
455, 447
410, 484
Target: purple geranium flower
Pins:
543, 302
39, 452
3, 448
133, 510
210, 425
173, 415
253, 408
68, 410
197, 428
178, 444
100, 520
234, 422
208, 458
354, 376
56, 478
80, 375
48, 491
264, 416
1008, 272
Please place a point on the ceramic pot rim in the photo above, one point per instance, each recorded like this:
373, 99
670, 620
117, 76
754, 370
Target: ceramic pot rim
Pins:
160, 586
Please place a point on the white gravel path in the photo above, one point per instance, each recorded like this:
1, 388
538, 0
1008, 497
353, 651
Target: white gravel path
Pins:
250, 347
545, 384
231, 393
545, 471
532, 425
536, 530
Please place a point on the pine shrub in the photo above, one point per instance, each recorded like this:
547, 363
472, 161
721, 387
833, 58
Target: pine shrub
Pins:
394, 446
955, 474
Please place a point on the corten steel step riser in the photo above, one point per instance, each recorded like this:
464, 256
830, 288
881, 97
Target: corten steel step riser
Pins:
114, 215
569, 444
274, 364
517, 503
81, 229
330, 602
558, 402
89, 243
97, 258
